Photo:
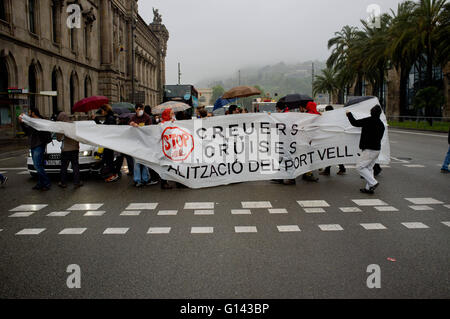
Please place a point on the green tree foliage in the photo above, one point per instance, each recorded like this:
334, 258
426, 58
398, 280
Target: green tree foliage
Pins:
429, 100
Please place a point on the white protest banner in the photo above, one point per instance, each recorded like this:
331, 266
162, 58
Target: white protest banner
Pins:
235, 148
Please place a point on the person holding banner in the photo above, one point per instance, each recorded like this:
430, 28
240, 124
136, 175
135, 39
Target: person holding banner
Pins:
310, 108
167, 116
326, 171
372, 131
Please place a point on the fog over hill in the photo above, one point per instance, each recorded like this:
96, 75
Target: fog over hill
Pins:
281, 78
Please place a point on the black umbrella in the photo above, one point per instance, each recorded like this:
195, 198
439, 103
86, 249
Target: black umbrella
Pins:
357, 99
295, 100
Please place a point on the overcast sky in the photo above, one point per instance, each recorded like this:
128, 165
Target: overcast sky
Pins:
218, 37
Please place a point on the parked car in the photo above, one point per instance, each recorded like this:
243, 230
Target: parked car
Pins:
89, 158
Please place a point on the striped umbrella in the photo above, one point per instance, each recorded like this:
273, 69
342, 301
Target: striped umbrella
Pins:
175, 106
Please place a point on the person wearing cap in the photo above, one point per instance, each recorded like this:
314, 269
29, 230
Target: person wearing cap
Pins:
372, 131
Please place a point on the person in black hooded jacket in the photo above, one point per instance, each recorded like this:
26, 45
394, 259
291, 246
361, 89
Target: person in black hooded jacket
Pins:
370, 143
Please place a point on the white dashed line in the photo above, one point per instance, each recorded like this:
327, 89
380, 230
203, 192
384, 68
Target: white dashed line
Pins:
415, 225
159, 230
142, 206
245, 229
373, 226
278, 211
23, 173
72, 231
94, 213
58, 214
424, 201
167, 212
203, 212
27, 208
256, 205
22, 214
85, 207
386, 209
115, 231
413, 165
288, 228
313, 203
314, 210
369, 202
446, 223
30, 231
447, 206
331, 227
130, 213
350, 209
202, 230
241, 212
420, 207
199, 205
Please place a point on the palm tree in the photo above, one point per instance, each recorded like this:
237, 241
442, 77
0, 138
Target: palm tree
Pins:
326, 82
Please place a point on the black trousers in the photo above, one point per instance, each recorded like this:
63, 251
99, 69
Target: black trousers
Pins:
66, 158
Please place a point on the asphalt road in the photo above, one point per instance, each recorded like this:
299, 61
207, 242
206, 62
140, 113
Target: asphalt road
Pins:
304, 260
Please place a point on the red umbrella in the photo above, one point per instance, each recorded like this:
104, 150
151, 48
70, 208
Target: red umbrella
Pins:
90, 103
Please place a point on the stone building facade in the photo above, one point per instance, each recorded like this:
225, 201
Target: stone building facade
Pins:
40, 52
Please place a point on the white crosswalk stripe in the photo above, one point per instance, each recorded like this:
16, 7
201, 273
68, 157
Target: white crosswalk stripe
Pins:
446, 223
313, 203
369, 202
386, 209
28, 208
424, 201
85, 207
245, 229
130, 213
58, 214
31, 231
420, 207
241, 212
288, 228
263, 204
278, 211
142, 206
22, 214
314, 210
331, 227
115, 231
202, 230
72, 231
203, 212
199, 205
373, 226
95, 213
159, 230
415, 225
350, 209
167, 213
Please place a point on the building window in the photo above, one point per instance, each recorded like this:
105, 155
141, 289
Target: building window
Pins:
87, 87
86, 41
55, 22
32, 15
55, 88
5, 112
3, 10
73, 88
32, 87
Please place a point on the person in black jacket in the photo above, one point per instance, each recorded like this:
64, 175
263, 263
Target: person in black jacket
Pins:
370, 143
109, 173
38, 141
444, 168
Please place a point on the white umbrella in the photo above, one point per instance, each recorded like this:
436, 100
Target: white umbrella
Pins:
175, 106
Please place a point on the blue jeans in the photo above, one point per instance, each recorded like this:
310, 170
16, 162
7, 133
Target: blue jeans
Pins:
446, 161
37, 154
141, 173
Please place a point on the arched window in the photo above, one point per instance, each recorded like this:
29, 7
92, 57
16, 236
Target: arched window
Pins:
87, 86
5, 112
73, 88
32, 15
32, 85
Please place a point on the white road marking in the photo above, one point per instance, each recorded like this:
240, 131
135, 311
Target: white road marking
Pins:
13, 168
369, 202
446, 223
167, 212
85, 207
241, 212
386, 209
115, 231
413, 165
199, 205
8, 158
373, 226
130, 213
202, 230
204, 212
30, 231
424, 201
415, 225
23, 173
420, 207
256, 205
142, 206
245, 229
158, 230
314, 210
58, 214
278, 211
3, 172
447, 206
22, 214
27, 208
330, 227
72, 231
313, 203
288, 228
95, 213
350, 209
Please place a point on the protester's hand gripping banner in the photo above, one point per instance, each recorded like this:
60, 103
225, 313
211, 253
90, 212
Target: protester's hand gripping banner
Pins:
235, 148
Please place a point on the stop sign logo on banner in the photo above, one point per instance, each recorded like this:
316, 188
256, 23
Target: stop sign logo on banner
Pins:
177, 144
